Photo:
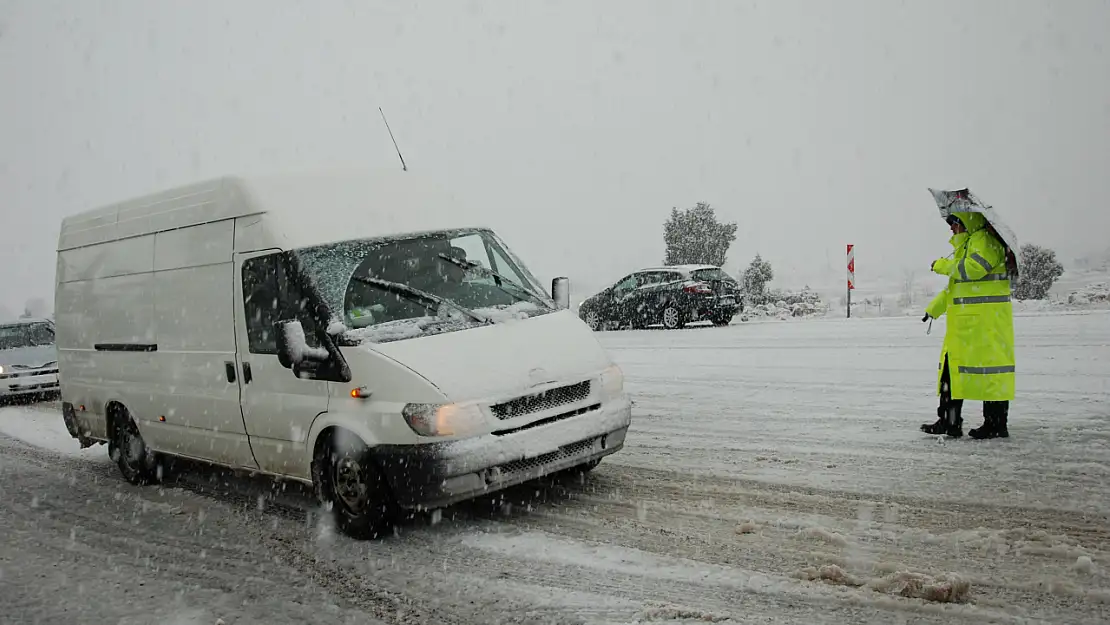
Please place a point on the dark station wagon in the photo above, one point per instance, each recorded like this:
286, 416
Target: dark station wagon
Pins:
671, 296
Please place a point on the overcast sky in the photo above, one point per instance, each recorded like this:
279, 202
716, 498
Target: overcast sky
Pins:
812, 124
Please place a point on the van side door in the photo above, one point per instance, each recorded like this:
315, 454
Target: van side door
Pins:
278, 407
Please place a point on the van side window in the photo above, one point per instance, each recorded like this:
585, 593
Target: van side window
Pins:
261, 302
268, 296
295, 304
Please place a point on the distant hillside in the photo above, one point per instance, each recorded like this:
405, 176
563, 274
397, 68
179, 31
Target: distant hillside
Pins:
1099, 261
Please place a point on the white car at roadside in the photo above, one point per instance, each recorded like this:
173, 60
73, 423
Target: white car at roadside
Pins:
28, 359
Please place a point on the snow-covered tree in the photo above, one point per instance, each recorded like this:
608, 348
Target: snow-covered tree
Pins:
756, 277
1040, 270
695, 236
34, 307
905, 299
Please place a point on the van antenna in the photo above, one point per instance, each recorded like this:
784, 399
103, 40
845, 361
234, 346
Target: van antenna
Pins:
403, 166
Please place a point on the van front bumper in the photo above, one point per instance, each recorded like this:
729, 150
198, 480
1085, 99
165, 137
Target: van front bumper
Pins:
435, 475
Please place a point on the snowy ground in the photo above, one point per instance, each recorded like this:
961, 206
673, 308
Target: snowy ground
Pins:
774, 474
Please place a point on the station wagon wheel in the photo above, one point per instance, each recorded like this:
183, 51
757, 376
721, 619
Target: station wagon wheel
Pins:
592, 320
672, 317
349, 482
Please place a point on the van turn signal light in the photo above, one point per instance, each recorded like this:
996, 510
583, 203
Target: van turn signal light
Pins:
359, 393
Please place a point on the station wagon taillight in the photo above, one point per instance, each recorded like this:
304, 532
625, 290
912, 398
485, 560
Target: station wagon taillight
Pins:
698, 287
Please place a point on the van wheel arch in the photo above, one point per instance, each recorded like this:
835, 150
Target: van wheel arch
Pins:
144, 469
350, 485
114, 412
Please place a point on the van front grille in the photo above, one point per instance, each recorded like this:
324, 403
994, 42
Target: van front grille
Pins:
26, 373
545, 400
572, 450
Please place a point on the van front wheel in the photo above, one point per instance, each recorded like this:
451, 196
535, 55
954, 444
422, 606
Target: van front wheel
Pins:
348, 482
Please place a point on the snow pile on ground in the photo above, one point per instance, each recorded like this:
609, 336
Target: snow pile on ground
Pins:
1089, 297
782, 304
1091, 294
747, 527
947, 588
1084, 565
669, 612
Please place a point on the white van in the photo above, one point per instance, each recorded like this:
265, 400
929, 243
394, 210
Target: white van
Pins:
347, 331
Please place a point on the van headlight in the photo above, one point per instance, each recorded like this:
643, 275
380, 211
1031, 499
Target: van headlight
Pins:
612, 382
443, 419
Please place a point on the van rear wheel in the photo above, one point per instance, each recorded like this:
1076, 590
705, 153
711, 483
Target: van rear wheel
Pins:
349, 483
137, 463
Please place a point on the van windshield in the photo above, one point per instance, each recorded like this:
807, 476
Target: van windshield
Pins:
390, 289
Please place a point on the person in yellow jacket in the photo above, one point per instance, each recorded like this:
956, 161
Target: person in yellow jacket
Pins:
977, 359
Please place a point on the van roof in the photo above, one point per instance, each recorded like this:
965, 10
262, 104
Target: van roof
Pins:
303, 208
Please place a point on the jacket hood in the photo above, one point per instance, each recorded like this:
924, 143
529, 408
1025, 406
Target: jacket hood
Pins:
974, 222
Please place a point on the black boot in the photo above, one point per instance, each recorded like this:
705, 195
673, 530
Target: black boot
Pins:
1000, 429
955, 424
949, 423
948, 412
938, 427
987, 430
995, 415
1000, 419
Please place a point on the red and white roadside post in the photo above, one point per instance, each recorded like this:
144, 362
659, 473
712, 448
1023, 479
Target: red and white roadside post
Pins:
851, 275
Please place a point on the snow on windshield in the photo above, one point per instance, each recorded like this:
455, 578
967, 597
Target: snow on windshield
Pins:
449, 320
391, 289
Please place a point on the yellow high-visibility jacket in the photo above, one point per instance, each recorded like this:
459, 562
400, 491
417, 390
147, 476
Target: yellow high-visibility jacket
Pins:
979, 339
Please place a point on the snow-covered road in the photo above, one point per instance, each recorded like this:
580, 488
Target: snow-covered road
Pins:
774, 474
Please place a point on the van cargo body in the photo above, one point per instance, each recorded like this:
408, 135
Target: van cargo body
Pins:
351, 331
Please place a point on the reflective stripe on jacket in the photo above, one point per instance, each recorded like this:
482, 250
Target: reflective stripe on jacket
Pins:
979, 339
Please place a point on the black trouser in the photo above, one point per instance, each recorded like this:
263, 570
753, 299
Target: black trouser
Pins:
991, 409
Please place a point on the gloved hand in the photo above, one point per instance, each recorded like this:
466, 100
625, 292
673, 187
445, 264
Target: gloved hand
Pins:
925, 318
941, 266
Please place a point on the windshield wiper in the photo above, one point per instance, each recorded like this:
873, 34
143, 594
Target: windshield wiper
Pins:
466, 264
419, 296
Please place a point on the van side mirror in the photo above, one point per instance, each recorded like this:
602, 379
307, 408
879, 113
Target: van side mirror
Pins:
292, 348
560, 292
284, 353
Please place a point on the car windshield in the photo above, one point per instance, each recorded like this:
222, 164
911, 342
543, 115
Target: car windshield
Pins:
26, 335
390, 289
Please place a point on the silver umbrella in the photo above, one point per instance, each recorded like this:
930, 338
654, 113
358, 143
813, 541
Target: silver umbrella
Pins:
964, 201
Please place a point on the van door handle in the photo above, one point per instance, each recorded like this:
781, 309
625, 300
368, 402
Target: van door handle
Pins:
229, 368
247, 373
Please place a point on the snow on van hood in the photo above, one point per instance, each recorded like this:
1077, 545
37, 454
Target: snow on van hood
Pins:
31, 357
504, 359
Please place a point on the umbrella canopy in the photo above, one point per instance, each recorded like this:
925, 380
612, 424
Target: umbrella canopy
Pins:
964, 201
